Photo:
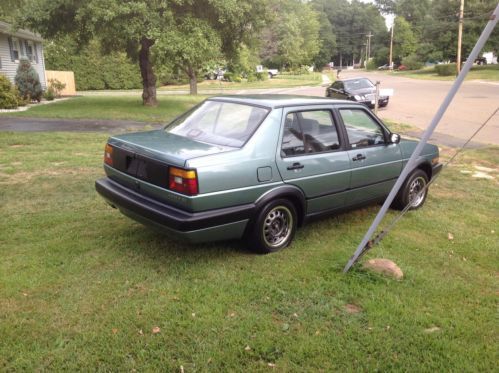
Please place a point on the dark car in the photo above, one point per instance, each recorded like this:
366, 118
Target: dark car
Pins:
356, 89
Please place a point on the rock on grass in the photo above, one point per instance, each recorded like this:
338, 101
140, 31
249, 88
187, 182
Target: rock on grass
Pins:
385, 267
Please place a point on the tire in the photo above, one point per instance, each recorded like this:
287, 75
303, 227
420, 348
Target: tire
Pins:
274, 227
415, 182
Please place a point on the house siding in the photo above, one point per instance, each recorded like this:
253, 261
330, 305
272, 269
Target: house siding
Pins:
9, 68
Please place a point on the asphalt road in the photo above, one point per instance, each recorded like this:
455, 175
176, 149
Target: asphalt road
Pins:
416, 101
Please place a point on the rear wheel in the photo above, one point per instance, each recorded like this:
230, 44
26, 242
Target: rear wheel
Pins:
413, 191
274, 227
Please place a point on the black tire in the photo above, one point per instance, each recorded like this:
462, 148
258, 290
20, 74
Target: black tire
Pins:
274, 227
409, 191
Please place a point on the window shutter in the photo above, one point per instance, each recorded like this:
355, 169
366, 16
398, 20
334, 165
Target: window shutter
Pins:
21, 48
35, 51
11, 49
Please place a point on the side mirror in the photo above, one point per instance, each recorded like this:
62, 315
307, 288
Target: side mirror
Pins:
394, 138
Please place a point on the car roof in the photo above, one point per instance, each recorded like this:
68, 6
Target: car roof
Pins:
275, 101
356, 78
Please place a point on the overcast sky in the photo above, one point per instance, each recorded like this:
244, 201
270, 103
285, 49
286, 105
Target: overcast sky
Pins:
388, 17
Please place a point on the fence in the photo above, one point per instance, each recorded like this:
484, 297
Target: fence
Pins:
66, 77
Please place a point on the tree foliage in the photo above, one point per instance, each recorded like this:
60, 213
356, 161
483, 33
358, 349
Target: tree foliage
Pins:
292, 38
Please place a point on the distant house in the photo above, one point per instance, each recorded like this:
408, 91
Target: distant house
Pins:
17, 45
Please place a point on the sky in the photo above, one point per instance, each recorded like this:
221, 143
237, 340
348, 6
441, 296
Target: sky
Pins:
388, 17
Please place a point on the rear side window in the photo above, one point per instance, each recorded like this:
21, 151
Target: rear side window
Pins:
308, 132
219, 123
362, 130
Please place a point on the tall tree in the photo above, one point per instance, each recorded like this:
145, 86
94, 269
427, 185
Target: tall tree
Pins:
404, 40
192, 44
134, 25
292, 38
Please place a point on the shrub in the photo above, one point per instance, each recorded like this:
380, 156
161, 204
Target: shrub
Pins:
371, 65
412, 62
49, 94
448, 69
263, 75
8, 94
252, 77
233, 77
28, 81
56, 87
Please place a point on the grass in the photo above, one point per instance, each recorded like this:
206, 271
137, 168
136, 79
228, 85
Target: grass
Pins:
488, 72
82, 287
280, 81
112, 107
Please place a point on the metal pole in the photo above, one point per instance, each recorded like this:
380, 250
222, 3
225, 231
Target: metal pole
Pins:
376, 97
426, 135
459, 37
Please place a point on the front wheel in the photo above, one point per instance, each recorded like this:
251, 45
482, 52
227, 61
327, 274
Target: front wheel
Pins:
274, 227
413, 191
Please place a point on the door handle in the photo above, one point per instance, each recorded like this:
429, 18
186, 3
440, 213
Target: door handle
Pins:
296, 166
359, 157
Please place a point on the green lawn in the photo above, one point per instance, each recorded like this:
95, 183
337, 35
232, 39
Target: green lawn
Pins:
82, 287
282, 80
112, 107
489, 72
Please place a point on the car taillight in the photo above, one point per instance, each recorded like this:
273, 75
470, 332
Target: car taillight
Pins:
183, 181
108, 155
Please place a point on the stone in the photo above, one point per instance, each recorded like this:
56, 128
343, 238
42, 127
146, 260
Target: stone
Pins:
384, 267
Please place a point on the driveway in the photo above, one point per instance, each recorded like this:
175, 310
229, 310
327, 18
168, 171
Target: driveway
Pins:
416, 101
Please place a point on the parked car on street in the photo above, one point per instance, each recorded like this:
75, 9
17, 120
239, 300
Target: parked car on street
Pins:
258, 167
356, 89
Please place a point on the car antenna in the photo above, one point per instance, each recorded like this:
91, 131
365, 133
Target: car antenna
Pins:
366, 242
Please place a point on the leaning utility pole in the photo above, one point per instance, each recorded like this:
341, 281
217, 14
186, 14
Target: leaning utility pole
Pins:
391, 46
460, 37
411, 163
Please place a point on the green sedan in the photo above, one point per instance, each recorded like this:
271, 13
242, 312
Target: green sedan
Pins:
258, 167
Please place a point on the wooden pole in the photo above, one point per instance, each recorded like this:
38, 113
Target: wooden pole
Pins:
460, 37
391, 46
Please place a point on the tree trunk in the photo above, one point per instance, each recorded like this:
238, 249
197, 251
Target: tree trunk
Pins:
193, 81
148, 77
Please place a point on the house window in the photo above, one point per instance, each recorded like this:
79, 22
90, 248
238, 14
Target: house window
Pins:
30, 50
16, 49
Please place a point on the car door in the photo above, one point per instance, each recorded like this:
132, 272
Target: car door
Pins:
375, 161
312, 156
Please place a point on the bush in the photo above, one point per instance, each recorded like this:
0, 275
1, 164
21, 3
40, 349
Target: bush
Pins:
49, 94
232, 77
412, 62
371, 65
28, 81
8, 94
446, 69
252, 77
56, 87
262, 76
93, 70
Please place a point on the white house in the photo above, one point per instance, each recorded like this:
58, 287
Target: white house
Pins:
17, 45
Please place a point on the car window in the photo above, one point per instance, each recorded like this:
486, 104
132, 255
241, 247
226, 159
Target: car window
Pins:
337, 85
309, 132
219, 123
357, 84
362, 130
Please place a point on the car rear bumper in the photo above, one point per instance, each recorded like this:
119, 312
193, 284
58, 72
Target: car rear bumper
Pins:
220, 224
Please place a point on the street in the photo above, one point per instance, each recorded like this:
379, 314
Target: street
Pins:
416, 101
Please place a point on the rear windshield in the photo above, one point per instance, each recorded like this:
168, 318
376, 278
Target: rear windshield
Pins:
219, 123
356, 84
